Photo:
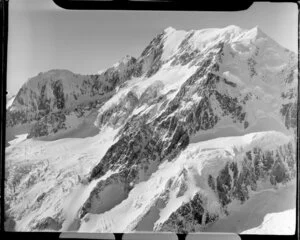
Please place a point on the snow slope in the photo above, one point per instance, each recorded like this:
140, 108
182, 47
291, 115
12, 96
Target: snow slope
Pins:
281, 223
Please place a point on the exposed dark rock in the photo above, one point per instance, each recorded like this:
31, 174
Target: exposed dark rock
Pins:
182, 189
154, 43
58, 93
152, 94
289, 113
156, 62
184, 44
51, 123
251, 64
41, 197
231, 106
96, 203
189, 217
290, 77
232, 84
48, 223
211, 182
231, 184
185, 58
224, 185
9, 221
15, 117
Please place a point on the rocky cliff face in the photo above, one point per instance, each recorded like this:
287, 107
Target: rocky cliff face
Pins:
47, 100
234, 182
184, 89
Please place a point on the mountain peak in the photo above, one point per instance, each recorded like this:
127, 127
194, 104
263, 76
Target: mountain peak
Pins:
230, 32
169, 29
232, 28
257, 31
256, 28
124, 60
54, 71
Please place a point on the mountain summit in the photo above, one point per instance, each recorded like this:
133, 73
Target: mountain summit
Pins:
167, 141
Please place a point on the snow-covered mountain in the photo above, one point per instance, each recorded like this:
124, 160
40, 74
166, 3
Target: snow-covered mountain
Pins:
167, 141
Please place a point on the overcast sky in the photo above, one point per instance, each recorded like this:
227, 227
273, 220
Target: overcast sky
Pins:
43, 36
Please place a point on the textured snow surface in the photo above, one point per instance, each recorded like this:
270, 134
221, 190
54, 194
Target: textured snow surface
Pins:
279, 223
56, 170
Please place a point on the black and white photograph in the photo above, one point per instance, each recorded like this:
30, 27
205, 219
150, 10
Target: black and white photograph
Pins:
122, 121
